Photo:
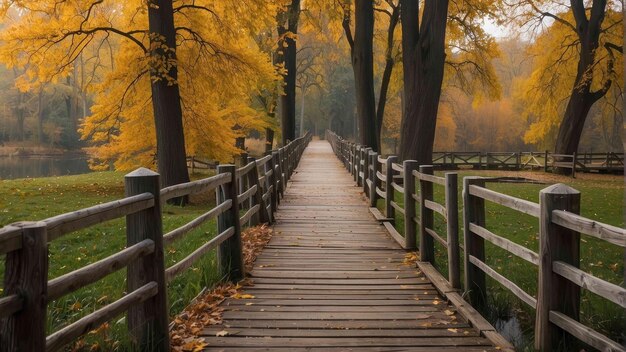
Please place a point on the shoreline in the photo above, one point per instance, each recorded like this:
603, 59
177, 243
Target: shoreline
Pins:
41, 152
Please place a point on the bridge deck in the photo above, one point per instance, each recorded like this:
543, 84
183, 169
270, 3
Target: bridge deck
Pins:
331, 278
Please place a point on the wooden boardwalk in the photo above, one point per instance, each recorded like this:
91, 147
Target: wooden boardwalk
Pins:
331, 278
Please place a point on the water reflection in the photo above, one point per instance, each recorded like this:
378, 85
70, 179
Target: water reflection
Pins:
38, 166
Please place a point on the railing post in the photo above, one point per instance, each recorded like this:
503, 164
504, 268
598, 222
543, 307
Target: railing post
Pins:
257, 198
366, 170
390, 212
410, 230
26, 274
427, 245
545, 161
474, 212
452, 229
374, 166
147, 321
269, 182
281, 171
275, 181
359, 168
229, 254
556, 243
574, 159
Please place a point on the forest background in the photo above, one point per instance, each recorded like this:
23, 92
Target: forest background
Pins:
76, 75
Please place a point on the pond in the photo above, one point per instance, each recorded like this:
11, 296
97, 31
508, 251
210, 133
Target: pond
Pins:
42, 166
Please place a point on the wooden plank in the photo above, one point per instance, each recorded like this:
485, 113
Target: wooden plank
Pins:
584, 333
394, 233
235, 341
82, 326
508, 284
609, 233
77, 279
518, 204
260, 332
505, 244
612, 292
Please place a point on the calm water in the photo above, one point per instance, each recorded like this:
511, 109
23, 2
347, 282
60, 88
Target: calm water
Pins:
37, 166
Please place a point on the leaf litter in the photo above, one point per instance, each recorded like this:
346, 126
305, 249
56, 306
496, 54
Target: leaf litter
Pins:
206, 310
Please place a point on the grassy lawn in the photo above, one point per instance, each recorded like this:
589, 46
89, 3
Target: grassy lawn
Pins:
36, 199
602, 200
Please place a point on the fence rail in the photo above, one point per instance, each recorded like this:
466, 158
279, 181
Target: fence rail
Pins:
560, 280
577, 162
27, 289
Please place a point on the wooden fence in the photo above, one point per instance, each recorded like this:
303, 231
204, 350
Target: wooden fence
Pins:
27, 290
559, 280
583, 162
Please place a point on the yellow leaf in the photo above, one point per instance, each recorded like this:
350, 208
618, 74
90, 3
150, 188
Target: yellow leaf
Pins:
222, 333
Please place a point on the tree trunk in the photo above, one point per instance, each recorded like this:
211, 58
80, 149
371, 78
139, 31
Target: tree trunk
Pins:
302, 100
288, 23
363, 66
582, 98
423, 58
269, 139
168, 117
389, 63
40, 116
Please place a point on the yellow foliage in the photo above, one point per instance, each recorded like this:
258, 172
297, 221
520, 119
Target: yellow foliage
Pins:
220, 69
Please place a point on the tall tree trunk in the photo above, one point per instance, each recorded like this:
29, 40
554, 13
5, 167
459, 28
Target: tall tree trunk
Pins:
40, 116
302, 101
288, 23
582, 98
389, 63
363, 67
168, 116
423, 50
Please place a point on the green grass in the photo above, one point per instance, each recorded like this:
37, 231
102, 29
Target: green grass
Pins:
602, 200
36, 199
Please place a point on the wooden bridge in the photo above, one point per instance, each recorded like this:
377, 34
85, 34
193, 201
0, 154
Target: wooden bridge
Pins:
332, 278
337, 274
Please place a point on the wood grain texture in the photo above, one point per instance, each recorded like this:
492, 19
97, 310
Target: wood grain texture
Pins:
334, 278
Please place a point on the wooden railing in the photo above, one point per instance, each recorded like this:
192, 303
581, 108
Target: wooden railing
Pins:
27, 289
559, 281
549, 162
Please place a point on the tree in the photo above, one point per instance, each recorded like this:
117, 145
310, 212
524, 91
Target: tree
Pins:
393, 12
168, 115
361, 50
574, 69
287, 52
423, 49
218, 70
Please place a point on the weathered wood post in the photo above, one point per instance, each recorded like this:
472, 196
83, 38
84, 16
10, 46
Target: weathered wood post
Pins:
147, 321
452, 229
357, 163
257, 197
281, 171
275, 181
427, 244
26, 275
269, 203
545, 161
574, 160
556, 243
359, 167
410, 228
474, 212
390, 211
230, 257
366, 170
374, 167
